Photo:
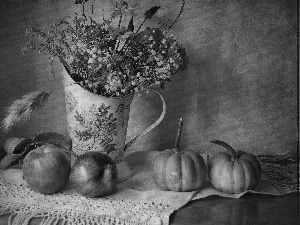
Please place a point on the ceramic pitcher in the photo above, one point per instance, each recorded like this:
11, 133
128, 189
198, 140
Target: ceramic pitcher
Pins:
98, 123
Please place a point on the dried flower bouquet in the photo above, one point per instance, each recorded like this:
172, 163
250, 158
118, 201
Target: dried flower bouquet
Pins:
108, 58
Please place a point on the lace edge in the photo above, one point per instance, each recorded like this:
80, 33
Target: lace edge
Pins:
22, 214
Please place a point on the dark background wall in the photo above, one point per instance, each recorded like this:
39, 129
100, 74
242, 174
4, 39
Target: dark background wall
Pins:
240, 86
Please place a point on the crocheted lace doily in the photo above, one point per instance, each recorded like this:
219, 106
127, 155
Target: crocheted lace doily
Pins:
136, 201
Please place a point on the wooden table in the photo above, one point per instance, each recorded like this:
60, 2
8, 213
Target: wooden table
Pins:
250, 209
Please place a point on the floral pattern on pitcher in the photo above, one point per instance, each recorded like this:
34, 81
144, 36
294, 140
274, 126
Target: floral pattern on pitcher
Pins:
71, 101
124, 116
96, 127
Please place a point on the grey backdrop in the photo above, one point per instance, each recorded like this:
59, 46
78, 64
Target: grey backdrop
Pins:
240, 86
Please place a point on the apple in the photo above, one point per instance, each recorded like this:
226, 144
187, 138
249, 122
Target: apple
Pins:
46, 169
94, 174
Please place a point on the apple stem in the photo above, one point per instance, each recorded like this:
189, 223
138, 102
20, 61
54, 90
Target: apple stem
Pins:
70, 151
178, 134
225, 145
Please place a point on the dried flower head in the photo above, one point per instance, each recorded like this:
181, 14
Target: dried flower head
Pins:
21, 109
112, 59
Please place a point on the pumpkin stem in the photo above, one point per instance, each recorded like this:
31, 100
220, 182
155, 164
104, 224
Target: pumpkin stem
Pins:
178, 134
225, 145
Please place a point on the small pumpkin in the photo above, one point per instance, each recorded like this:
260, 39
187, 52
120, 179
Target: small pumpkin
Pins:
179, 170
235, 171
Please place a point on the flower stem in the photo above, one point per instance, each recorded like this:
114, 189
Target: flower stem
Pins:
125, 46
120, 20
179, 14
141, 25
119, 25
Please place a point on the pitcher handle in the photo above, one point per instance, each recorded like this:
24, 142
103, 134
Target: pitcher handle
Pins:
158, 121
